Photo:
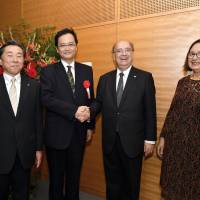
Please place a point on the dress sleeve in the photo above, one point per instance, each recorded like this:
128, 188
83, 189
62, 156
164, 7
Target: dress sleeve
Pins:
170, 113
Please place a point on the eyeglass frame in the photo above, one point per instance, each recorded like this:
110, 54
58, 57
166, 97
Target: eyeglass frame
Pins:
192, 54
70, 45
120, 51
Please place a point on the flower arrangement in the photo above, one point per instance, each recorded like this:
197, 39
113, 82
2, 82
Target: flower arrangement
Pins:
38, 44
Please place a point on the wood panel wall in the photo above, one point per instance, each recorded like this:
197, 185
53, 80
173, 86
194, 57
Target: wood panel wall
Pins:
161, 32
10, 12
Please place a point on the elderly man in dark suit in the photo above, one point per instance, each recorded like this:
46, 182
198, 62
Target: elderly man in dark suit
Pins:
21, 124
126, 98
67, 87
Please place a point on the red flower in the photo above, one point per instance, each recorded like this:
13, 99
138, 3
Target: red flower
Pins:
42, 63
27, 56
53, 61
1, 70
86, 84
31, 46
31, 71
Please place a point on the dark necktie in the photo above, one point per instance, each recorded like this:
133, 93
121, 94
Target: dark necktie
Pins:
120, 88
70, 78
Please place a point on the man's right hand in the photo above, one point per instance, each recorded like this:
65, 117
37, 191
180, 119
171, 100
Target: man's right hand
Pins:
82, 113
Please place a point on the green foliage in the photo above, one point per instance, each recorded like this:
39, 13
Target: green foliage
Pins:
37, 42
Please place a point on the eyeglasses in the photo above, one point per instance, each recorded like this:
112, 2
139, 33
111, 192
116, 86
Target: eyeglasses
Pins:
192, 54
69, 45
121, 51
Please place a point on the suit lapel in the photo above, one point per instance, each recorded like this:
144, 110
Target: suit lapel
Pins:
78, 76
4, 97
25, 87
130, 85
113, 87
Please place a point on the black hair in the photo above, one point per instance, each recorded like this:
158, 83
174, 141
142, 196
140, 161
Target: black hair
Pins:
10, 43
63, 32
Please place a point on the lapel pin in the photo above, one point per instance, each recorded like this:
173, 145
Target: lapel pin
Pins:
134, 76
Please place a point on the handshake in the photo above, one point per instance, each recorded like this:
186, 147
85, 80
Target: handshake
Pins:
83, 113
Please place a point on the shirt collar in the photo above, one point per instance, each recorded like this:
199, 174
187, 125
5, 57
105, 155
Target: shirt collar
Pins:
65, 64
125, 72
8, 77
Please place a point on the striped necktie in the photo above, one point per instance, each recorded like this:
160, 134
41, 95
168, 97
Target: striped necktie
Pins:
70, 78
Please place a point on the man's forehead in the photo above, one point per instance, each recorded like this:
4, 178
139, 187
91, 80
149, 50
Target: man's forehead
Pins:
67, 36
123, 44
13, 48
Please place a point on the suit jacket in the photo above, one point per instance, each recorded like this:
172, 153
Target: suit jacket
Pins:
134, 119
20, 134
61, 104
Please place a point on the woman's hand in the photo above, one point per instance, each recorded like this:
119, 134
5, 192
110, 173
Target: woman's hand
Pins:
160, 147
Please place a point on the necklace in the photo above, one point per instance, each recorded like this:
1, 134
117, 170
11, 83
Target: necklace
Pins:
196, 78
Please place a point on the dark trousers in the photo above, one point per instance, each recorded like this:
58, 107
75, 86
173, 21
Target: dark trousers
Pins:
122, 174
15, 182
64, 170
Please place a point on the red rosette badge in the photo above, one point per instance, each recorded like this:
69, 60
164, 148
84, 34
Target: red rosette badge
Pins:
86, 85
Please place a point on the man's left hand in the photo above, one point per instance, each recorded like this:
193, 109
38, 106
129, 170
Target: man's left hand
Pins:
148, 149
89, 135
38, 159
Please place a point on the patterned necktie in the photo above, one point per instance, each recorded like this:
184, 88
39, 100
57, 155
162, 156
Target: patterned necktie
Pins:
70, 78
120, 88
13, 96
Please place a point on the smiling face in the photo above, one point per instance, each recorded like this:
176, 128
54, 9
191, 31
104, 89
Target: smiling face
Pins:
194, 58
12, 60
123, 54
67, 47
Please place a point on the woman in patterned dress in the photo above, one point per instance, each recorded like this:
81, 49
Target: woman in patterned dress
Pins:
179, 144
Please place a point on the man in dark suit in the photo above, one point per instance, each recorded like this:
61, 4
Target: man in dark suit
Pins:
66, 87
21, 124
126, 98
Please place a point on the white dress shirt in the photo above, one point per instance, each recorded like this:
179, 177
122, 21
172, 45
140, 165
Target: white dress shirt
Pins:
125, 77
8, 83
72, 64
126, 73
